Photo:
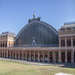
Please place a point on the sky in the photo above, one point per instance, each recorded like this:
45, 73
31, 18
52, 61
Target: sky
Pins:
14, 14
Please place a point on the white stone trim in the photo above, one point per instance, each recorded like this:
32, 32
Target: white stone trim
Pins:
64, 35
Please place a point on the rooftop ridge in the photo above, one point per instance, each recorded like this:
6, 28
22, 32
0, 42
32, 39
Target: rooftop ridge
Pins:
66, 23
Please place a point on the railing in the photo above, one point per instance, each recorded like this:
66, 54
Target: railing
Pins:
37, 45
37, 48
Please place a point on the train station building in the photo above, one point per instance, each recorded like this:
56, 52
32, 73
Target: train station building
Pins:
39, 41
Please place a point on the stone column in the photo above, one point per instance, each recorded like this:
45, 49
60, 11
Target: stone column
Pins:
30, 55
34, 55
71, 41
72, 56
2, 52
6, 53
22, 54
54, 57
48, 57
59, 41
10, 53
26, 55
59, 56
18, 54
65, 42
2, 43
38, 56
65, 56
15, 55
43, 56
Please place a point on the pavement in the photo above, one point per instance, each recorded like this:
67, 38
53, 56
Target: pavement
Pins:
30, 62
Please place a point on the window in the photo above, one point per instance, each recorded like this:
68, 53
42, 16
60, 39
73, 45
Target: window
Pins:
73, 42
69, 42
62, 43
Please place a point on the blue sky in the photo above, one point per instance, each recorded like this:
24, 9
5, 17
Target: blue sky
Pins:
14, 14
